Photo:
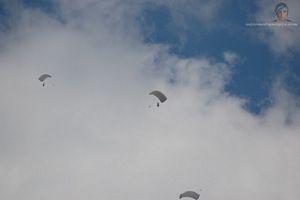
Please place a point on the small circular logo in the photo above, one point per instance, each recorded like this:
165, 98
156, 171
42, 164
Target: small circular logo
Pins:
281, 11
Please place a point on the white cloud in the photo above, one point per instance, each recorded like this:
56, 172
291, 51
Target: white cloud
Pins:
230, 57
91, 135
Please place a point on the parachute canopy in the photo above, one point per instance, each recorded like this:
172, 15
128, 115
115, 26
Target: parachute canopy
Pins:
190, 194
44, 77
159, 95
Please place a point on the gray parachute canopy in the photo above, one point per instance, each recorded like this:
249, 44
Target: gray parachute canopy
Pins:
44, 77
159, 95
190, 194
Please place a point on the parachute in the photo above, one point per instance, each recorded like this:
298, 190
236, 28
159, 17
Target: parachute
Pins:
43, 77
159, 95
190, 194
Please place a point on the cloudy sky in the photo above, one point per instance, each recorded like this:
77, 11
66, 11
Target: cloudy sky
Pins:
229, 130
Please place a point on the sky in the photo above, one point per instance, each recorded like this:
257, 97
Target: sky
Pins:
228, 130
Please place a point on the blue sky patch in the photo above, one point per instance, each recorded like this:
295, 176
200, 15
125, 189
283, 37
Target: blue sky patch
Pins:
47, 6
4, 17
253, 77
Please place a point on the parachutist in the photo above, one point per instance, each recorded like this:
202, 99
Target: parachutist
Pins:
162, 98
43, 77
